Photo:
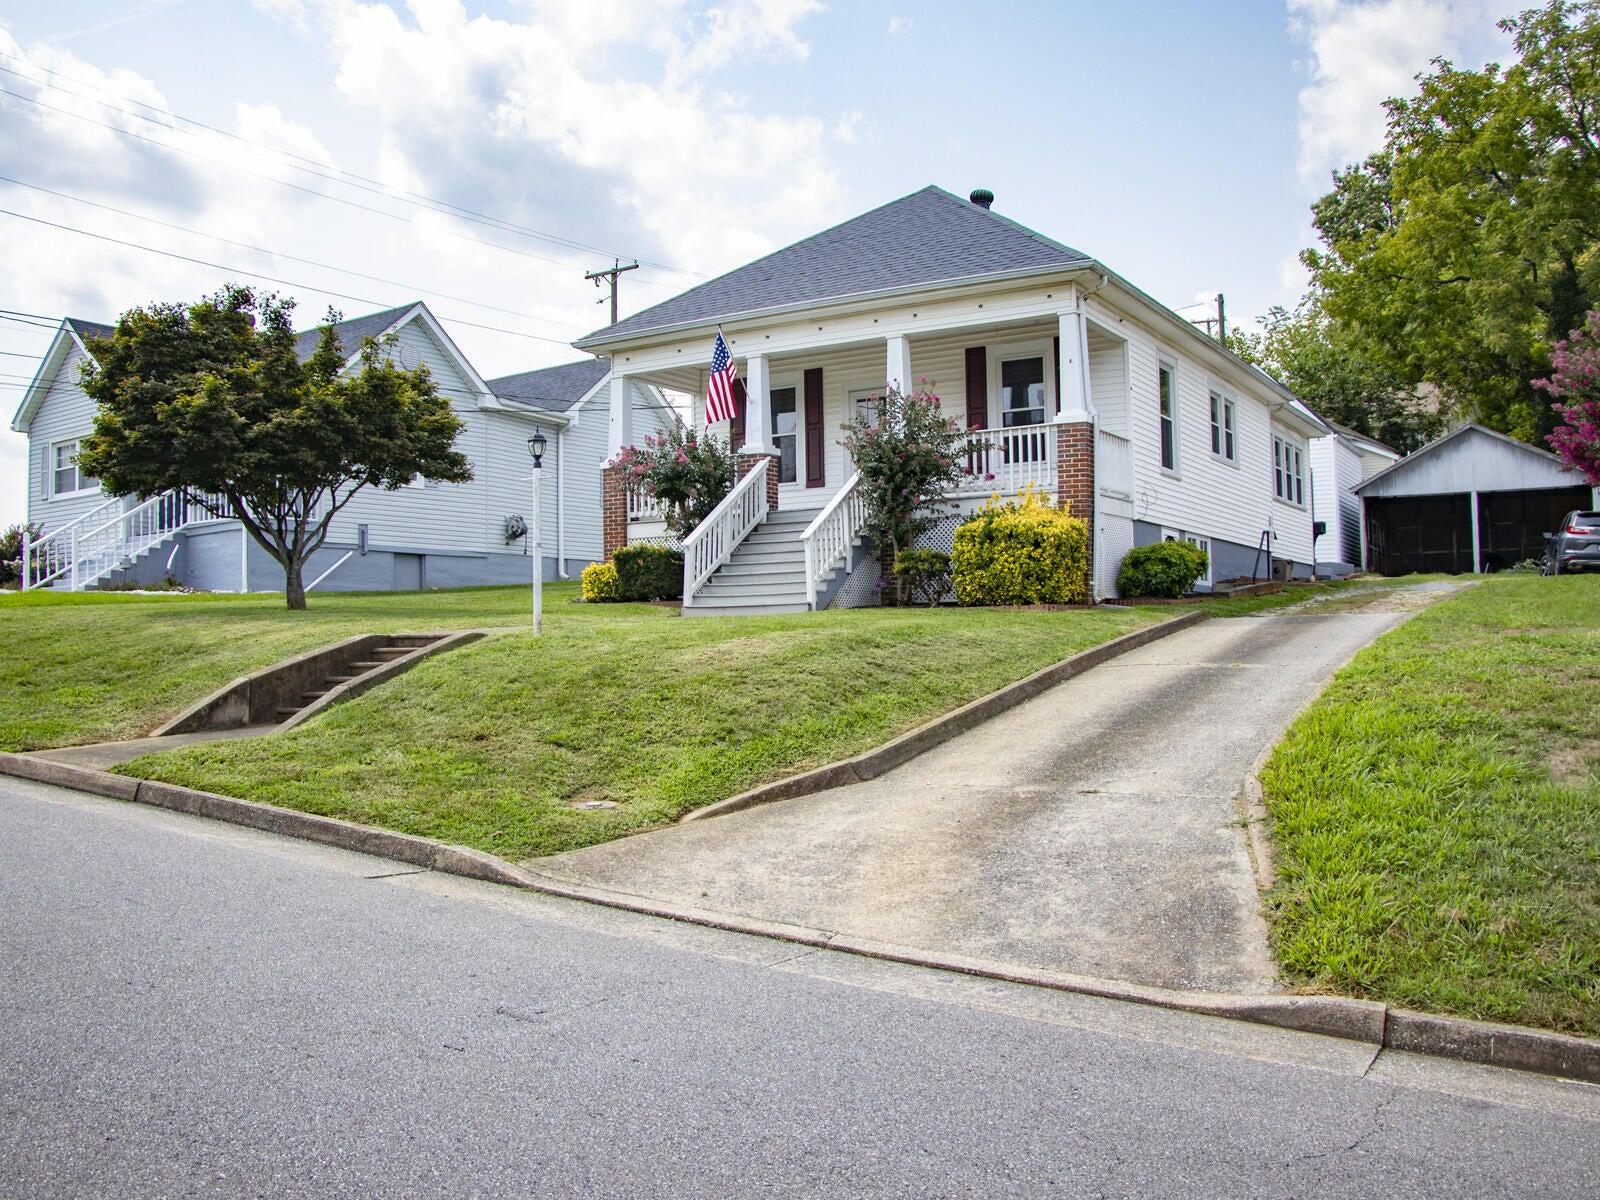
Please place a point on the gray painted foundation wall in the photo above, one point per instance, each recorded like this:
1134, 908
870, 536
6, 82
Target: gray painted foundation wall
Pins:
208, 558
1229, 560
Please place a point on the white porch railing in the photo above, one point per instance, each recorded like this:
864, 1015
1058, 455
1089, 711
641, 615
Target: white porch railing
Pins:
642, 507
1114, 457
1007, 460
827, 540
715, 539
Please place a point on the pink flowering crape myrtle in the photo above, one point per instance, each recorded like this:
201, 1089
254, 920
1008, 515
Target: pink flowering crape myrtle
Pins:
1574, 382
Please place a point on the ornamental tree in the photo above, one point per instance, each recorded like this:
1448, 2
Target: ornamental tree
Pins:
210, 399
909, 455
1574, 382
686, 472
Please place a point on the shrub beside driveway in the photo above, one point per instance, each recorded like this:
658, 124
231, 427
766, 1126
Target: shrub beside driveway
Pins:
1437, 813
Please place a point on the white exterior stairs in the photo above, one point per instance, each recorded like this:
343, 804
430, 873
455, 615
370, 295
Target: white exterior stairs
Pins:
766, 573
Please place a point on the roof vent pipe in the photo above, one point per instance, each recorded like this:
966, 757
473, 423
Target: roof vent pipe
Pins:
982, 197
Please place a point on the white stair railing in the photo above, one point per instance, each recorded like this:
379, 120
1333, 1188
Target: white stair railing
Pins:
716, 538
107, 537
828, 539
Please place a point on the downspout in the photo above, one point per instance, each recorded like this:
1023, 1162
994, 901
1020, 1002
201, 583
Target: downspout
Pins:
1099, 540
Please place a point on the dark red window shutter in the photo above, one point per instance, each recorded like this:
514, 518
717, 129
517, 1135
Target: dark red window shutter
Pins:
977, 387
737, 431
1058, 374
814, 463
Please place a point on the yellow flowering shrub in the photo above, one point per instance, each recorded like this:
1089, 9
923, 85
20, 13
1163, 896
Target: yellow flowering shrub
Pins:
1021, 551
599, 583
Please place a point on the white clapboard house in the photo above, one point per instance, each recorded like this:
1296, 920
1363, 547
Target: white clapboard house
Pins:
425, 535
1073, 380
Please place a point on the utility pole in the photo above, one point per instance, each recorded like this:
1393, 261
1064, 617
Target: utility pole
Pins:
1222, 319
616, 268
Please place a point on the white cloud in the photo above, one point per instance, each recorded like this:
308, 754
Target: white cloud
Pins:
1362, 52
901, 26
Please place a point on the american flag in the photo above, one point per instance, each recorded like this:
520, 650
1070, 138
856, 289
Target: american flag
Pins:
719, 388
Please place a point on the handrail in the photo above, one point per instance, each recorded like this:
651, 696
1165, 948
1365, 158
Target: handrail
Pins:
829, 536
94, 544
42, 552
715, 539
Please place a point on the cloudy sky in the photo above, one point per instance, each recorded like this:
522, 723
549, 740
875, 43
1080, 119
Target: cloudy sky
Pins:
482, 157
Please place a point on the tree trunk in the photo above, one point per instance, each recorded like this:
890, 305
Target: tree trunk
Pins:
294, 590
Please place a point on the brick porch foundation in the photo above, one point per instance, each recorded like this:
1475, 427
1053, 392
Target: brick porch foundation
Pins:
613, 511
1075, 480
747, 463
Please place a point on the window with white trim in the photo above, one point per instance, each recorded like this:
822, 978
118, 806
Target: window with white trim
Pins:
65, 478
1167, 388
1223, 443
1288, 471
1022, 392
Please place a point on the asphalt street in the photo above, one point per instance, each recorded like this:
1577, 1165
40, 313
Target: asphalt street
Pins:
193, 1009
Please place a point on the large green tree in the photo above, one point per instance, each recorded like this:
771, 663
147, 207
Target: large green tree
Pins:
1309, 353
1458, 254
211, 399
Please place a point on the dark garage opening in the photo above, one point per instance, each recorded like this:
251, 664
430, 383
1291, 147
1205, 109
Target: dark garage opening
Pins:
1407, 534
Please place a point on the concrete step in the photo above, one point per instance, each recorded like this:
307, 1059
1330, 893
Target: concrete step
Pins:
758, 572
742, 610
361, 668
283, 714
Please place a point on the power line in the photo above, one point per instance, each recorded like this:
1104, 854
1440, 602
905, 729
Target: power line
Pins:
401, 217
313, 167
310, 262
269, 278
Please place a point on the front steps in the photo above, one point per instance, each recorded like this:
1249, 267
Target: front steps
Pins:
766, 574
396, 646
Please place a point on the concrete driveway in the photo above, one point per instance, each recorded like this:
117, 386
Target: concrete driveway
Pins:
1093, 829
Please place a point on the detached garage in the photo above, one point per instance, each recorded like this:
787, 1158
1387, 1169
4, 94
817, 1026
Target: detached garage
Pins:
1473, 501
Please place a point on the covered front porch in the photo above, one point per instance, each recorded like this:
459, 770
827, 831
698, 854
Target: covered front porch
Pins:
1044, 398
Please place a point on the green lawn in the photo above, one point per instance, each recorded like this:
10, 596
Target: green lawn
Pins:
1327, 591
1437, 813
492, 745
90, 667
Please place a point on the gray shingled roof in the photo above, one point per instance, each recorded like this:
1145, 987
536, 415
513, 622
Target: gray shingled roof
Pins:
352, 333
88, 330
554, 389
927, 237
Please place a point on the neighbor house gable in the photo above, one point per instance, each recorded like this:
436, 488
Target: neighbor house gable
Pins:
70, 337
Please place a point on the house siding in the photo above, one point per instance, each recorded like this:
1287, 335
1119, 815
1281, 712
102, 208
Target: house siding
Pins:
1336, 470
1205, 495
64, 413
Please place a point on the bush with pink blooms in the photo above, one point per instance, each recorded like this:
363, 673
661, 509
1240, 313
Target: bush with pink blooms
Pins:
686, 472
1575, 383
910, 456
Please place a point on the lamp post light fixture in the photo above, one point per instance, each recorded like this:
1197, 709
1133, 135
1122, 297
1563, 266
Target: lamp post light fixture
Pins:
536, 445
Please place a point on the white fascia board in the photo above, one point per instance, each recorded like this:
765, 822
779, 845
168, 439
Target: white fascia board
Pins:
45, 376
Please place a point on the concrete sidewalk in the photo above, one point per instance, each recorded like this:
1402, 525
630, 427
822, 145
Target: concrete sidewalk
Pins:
1094, 829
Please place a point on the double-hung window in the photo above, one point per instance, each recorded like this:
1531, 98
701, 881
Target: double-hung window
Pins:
1223, 443
1021, 392
1288, 471
1167, 383
65, 478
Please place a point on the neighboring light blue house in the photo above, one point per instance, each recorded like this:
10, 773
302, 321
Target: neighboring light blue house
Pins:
425, 535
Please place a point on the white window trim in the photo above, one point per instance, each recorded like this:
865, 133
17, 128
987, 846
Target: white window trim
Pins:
1226, 405
1204, 543
1044, 349
1288, 444
1176, 469
50, 474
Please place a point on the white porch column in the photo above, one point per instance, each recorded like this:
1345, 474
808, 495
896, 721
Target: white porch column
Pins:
1477, 541
898, 374
1074, 400
758, 407
620, 430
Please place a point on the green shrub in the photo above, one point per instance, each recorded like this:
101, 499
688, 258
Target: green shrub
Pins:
599, 583
924, 573
1166, 569
649, 571
1021, 552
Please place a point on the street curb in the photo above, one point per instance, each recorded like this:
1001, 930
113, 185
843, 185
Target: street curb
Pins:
903, 749
1366, 1021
